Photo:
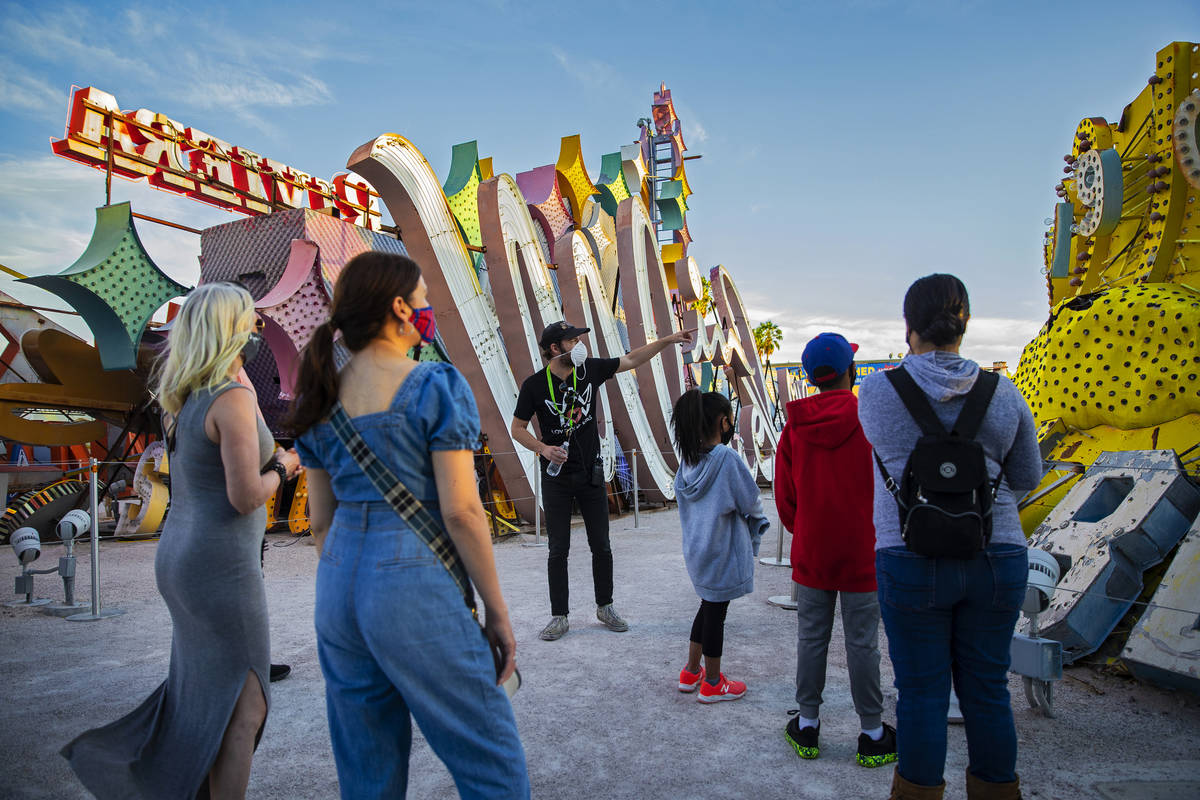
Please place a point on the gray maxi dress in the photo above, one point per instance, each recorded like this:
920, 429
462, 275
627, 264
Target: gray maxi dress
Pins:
208, 572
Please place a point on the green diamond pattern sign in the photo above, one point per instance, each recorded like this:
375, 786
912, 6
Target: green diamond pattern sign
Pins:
115, 286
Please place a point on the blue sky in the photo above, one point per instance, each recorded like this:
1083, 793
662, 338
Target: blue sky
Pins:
848, 147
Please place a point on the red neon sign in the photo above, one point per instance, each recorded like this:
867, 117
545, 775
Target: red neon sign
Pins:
143, 144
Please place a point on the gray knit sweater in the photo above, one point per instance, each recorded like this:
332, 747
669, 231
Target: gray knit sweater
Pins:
1007, 431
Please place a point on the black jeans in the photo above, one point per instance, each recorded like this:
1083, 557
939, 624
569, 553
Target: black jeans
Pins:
708, 629
557, 494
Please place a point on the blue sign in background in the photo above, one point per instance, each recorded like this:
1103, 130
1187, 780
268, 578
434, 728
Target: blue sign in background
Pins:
861, 368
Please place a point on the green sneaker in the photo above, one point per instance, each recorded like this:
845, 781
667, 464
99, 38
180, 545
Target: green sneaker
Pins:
803, 740
873, 753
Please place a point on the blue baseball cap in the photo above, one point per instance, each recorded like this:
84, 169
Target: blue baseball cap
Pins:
826, 357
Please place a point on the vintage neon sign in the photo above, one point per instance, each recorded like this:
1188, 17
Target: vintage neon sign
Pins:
177, 158
466, 315
489, 331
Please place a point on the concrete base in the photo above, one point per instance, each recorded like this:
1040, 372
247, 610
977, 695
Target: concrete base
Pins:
88, 616
34, 603
63, 610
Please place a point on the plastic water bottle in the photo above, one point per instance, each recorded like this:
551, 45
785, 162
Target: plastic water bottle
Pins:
555, 467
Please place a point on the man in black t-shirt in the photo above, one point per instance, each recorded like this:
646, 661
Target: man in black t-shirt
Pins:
564, 396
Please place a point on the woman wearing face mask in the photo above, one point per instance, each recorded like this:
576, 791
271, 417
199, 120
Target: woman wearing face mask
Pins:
196, 734
723, 524
395, 639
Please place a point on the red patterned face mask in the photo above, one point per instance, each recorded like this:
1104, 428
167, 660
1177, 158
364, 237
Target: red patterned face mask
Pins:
426, 325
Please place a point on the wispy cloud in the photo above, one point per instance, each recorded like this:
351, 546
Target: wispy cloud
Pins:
591, 73
22, 91
208, 86
66, 35
210, 65
208, 89
142, 25
694, 131
988, 339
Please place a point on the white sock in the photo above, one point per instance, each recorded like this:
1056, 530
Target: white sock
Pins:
875, 733
805, 722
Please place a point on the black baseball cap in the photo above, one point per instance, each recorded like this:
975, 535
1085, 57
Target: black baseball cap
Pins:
558, 331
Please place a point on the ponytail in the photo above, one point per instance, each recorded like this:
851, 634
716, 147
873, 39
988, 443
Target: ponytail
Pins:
362, 303
697, 415
317, 381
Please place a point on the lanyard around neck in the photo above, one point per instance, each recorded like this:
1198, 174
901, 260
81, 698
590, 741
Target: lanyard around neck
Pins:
562, 410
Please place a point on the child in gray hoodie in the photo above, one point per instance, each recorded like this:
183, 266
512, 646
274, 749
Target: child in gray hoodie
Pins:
723, 524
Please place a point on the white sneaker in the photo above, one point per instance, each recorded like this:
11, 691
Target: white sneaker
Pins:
556, 628
611, 619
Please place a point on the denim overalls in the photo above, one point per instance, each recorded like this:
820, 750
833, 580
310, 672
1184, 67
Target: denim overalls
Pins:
395, 639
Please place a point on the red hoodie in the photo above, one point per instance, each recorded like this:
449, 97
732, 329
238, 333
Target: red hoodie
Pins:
824, 489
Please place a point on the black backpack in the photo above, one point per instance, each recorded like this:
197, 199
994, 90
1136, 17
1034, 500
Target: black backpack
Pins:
944, 496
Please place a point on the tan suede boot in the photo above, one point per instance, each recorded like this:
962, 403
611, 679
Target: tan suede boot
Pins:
903, 790
978, 789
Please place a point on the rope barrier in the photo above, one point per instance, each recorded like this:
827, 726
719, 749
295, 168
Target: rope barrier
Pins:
97, 613
1147, 604
41, 465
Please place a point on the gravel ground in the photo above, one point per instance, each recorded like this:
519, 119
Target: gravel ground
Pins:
599, 715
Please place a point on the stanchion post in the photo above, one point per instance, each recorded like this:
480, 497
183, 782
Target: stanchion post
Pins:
95, 545
537, 505
96, 612
633, 469
786, 601
487, 483
778, 560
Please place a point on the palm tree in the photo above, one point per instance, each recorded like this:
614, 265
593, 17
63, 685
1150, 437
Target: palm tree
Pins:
705, 301
767, 338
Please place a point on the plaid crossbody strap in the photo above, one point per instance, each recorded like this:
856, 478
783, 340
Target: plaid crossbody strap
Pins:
405, 504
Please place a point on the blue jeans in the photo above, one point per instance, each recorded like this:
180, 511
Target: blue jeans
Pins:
948, 617
397, 643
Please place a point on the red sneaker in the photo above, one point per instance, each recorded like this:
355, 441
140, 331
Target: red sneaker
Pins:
724, 690
690, 681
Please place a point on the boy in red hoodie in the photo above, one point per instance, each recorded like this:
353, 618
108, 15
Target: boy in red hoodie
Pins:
824, 490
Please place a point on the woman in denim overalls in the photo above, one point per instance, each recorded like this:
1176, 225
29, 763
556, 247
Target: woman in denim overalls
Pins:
395, 639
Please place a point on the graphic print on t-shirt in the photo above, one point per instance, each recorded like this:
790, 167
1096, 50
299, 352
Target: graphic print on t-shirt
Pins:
566, 409
574, 410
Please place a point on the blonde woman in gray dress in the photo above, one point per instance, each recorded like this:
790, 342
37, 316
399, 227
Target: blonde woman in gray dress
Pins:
196, 734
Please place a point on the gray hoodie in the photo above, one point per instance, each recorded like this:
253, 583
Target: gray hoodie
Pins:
723, 524
1007, 432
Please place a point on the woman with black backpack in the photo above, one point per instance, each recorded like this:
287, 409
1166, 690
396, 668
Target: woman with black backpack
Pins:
955, 447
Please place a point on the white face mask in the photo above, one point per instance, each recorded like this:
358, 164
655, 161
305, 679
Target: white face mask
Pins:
578, 353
